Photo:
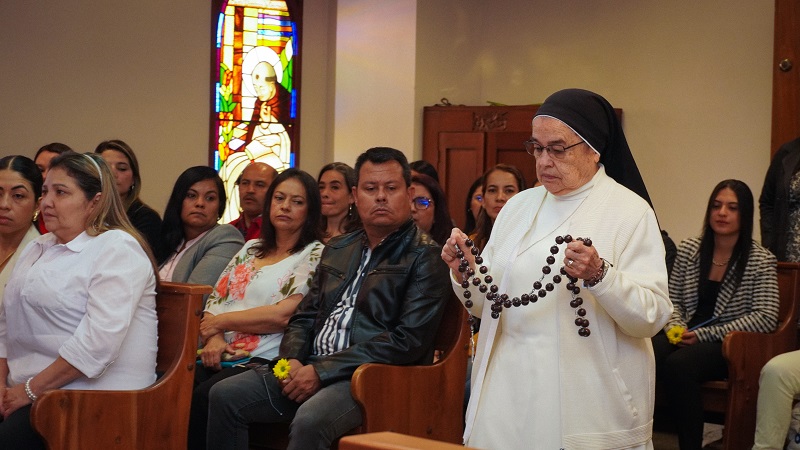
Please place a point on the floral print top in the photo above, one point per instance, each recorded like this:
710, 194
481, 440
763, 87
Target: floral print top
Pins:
241, 286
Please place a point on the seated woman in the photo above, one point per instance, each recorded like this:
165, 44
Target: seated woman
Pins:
193, 247
125, 167
42, 159
473, 205
339, 216
429, 208
79, 308
20, 189
259, 290
500, 183
722, 281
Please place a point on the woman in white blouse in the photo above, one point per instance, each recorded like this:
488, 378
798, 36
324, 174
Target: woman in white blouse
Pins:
74, 316
259, 290
20, 189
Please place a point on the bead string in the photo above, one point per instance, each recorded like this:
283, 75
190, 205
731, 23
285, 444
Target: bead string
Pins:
501, 301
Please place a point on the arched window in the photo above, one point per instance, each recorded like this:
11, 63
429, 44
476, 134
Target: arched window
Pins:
255, 67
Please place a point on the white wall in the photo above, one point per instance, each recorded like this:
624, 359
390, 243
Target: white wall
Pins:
83, 71
375, 66
693, 78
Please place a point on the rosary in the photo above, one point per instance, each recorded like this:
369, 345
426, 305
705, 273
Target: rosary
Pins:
501, 301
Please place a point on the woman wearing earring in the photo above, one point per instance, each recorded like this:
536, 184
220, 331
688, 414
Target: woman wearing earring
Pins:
192, 246
20, 189
125, 167
722, 281
339, 216
79, 308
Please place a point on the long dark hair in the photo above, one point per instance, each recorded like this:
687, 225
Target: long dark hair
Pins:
442, 223
483, 229
352, 221
741, 251
125, 149
172, 227
311, 226
470, 225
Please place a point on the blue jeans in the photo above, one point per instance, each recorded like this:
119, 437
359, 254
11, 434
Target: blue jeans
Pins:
248, 397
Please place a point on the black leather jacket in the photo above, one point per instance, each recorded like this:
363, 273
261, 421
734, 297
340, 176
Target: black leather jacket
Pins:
397, 310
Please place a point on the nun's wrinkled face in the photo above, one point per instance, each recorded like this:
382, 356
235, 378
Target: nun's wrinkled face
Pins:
565, 172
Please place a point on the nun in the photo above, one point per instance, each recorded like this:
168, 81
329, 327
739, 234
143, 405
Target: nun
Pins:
570, 288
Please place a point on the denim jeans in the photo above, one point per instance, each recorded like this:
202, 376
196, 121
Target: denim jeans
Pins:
250, 397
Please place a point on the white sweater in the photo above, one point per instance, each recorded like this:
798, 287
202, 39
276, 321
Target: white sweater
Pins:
607, 380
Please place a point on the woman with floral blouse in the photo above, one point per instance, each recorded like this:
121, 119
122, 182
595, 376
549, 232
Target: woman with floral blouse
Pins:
259, 290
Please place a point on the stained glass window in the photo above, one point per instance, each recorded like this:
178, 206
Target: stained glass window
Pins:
255, 92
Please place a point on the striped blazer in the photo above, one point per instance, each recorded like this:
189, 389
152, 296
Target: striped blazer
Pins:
752, 306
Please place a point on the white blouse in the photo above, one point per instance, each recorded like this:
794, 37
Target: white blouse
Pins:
90, 301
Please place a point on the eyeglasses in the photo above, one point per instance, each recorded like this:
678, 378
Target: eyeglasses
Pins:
421, 202
555, 151
478, 198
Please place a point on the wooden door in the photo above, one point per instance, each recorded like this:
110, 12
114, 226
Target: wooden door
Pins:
507, 148
786, 74
460, 160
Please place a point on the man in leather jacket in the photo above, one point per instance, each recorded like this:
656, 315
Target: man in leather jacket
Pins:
377, 296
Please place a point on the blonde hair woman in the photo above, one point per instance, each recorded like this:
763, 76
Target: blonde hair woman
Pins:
79, 308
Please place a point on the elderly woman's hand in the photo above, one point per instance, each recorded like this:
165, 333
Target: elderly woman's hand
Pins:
457, 239
213, 350
582, 261
13, 399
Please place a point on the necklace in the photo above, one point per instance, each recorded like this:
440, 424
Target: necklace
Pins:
3, 264
539, 291
720, 264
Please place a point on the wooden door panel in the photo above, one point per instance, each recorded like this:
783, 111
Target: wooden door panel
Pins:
507, 148
786, 83
460, 160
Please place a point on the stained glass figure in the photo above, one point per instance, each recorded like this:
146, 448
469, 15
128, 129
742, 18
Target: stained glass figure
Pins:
255, 94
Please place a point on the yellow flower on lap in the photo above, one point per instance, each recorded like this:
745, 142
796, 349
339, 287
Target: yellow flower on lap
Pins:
281, 369
675, 334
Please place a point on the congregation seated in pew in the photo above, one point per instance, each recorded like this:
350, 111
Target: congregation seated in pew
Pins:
377, 296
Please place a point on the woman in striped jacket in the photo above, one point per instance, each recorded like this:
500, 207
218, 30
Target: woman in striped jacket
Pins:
722, 281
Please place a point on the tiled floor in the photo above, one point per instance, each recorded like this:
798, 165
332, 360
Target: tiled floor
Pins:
666, 440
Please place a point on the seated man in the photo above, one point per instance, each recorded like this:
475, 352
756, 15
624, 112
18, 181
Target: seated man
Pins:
377, 296
253, 184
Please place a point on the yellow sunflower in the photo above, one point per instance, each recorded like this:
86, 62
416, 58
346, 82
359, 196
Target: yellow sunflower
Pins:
675, 334
281, 369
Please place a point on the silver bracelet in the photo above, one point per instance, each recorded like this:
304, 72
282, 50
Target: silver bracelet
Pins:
28, 390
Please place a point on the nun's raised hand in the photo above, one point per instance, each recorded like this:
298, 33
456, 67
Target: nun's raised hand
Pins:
456, 240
